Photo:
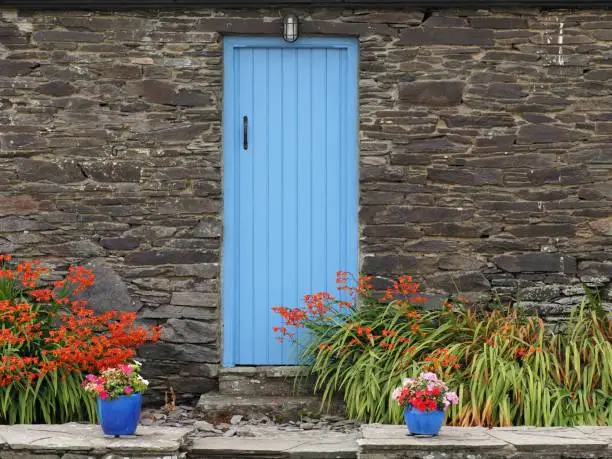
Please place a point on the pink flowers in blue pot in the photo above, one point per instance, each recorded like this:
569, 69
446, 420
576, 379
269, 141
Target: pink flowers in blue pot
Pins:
118, 391
424, 400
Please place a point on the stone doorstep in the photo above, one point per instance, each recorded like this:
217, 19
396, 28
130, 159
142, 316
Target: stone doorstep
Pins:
88, 438
213, 405
264, 380
393, 442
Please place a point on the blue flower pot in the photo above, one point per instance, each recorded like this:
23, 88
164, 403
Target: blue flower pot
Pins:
423, 422
120, 415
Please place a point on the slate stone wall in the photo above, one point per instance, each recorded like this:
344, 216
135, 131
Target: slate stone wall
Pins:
484, 137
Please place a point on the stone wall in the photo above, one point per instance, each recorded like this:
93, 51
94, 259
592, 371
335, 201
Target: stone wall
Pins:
484, 137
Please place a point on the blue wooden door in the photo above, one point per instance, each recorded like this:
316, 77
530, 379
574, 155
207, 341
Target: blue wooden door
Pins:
290, 184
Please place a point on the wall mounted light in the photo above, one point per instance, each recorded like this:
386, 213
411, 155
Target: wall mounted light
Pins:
290, 28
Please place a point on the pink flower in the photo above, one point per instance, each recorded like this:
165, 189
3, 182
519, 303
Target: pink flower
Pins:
128, 390
452, 398
126, 369
396, 393
407, 382
429, 377
103, 395
446, 403
91, 378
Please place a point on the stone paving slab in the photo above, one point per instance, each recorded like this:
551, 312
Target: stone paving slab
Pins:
87, 438
393, 442
554, 440
603, 433
284, 446
268, 448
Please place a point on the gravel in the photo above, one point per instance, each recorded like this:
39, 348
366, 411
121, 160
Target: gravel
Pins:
241, 426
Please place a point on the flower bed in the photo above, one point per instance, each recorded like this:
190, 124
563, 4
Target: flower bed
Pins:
49, 339
509, 367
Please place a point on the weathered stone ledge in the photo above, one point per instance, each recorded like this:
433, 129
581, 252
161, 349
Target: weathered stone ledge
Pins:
80, 441
86, 441
392, 442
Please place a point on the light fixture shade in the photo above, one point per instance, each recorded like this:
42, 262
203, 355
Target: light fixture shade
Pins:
290, 28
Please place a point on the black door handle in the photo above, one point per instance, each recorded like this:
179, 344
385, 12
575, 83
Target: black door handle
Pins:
245, 132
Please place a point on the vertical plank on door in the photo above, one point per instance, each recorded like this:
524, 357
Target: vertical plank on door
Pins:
305, 160
277, 351
260, 154
246, 287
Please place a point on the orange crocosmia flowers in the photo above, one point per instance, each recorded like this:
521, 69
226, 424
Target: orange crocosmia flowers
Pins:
41, 295
364, 284
80, 278
68, 337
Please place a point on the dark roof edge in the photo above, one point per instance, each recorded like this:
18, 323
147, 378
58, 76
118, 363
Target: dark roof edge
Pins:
131, 4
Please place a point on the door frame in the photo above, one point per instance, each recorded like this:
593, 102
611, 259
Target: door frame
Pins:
231, 140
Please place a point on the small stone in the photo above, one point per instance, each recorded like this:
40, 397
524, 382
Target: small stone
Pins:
10, 68
223, 426
432, 93
166, 257
547, 133
244, 432
204, 426
446, 36
57, 88
119, 243
109, 290
68, 36
53, 171
236, 419
306, 426
230, 433
146, 422
602, 226
189, 331
331, 418
536, 262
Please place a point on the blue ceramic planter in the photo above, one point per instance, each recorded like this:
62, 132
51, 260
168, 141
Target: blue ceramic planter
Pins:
423, 422
120, 415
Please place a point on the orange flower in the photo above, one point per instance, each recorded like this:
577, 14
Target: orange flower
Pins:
73, 339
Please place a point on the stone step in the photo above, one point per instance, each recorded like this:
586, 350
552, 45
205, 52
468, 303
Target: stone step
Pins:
316, 446
264, 380
214, 406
